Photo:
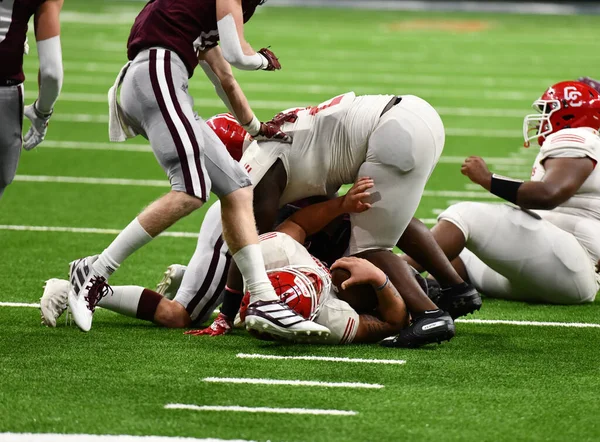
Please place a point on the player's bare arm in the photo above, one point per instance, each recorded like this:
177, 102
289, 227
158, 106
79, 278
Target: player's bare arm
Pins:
563, 177
312, 219
47, 34
391, 306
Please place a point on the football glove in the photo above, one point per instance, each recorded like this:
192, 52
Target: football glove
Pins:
39, 125
273, 61
220, 326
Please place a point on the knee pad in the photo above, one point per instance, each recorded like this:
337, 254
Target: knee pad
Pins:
460, 215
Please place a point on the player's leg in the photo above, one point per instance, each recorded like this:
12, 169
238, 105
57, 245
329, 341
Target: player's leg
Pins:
151, 99
540, 261
402, 152
11, 115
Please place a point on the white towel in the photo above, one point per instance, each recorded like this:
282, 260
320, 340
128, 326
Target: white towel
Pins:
118, 130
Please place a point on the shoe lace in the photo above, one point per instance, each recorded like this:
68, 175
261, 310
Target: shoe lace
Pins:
97, 290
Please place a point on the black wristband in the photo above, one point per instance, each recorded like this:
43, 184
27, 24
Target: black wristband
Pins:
506, 188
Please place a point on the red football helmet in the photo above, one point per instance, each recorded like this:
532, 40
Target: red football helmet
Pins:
231, 133
568, 104
299, 287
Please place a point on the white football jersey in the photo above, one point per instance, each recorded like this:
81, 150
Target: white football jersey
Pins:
281, 250
329, 145
580, 214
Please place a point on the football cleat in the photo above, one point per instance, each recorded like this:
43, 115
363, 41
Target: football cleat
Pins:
278, 319
459, 300
171, 281
87, 289
53, 302
428, 327
220, 326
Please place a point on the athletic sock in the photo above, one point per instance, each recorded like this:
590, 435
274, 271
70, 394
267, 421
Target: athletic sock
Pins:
132, 238
132, 301
250, 261
231, 303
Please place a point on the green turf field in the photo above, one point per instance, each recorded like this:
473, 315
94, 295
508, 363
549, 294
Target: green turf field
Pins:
515, 381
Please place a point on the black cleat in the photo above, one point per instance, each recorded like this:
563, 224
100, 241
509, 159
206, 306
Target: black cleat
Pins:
459, 300
429, 327
434, 290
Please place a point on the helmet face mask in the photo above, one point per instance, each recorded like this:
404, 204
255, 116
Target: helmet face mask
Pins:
568, 104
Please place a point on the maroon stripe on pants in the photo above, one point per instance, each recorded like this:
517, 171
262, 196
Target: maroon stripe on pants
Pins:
208, 279
218, 291
21, 109
187, 179
186, 123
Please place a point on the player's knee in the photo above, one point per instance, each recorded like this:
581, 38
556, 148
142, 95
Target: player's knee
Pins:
171, 314
459, 214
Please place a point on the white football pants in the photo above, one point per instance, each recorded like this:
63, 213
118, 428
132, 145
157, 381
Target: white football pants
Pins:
512, 255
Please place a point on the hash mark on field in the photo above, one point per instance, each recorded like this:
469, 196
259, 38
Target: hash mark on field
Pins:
238, 408
87, 230
58, 437
531, 323
291, 382
322, 358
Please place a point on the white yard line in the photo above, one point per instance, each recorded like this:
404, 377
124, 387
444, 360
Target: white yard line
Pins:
83, 145
528, 323
58, 437
90, 180
238, 408
322, 358
86, 230
296, 383
18, 304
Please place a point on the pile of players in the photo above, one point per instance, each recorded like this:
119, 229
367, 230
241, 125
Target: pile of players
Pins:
323, 270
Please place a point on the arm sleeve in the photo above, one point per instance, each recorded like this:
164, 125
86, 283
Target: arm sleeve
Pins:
51, 73
218, 87
232, 48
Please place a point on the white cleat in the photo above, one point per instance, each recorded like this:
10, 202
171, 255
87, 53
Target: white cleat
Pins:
171, 281
53, 302
278, 319
87, 289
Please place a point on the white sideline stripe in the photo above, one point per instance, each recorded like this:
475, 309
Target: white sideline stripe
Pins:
90, 180
18, 304
291, 382
86, 230
58, 437
322, 358
238, 408
531, 323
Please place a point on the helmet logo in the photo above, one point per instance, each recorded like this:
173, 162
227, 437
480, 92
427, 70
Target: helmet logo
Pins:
573, 96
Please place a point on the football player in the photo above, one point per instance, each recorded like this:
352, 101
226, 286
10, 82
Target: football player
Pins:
163, 49
544, 245
14, 16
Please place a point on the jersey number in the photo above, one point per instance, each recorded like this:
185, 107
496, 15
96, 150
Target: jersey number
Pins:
6, 12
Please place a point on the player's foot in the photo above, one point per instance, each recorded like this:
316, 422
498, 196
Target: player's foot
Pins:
276, 318
171, 281
54, 300
594, 84
87, 289
428, 327
459, 300
434, 290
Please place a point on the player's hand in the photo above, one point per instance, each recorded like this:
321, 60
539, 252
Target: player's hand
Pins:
220, 326
477, 171
273, 62
361, 272
270, 131
39, 125
356, 200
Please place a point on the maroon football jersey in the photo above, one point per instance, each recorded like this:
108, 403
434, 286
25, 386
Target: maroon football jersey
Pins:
14, 16
177, 24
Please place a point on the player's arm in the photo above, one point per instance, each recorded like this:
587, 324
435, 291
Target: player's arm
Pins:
50, 78
563, 177
312, 219
218, 70
236, 50
391, 306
